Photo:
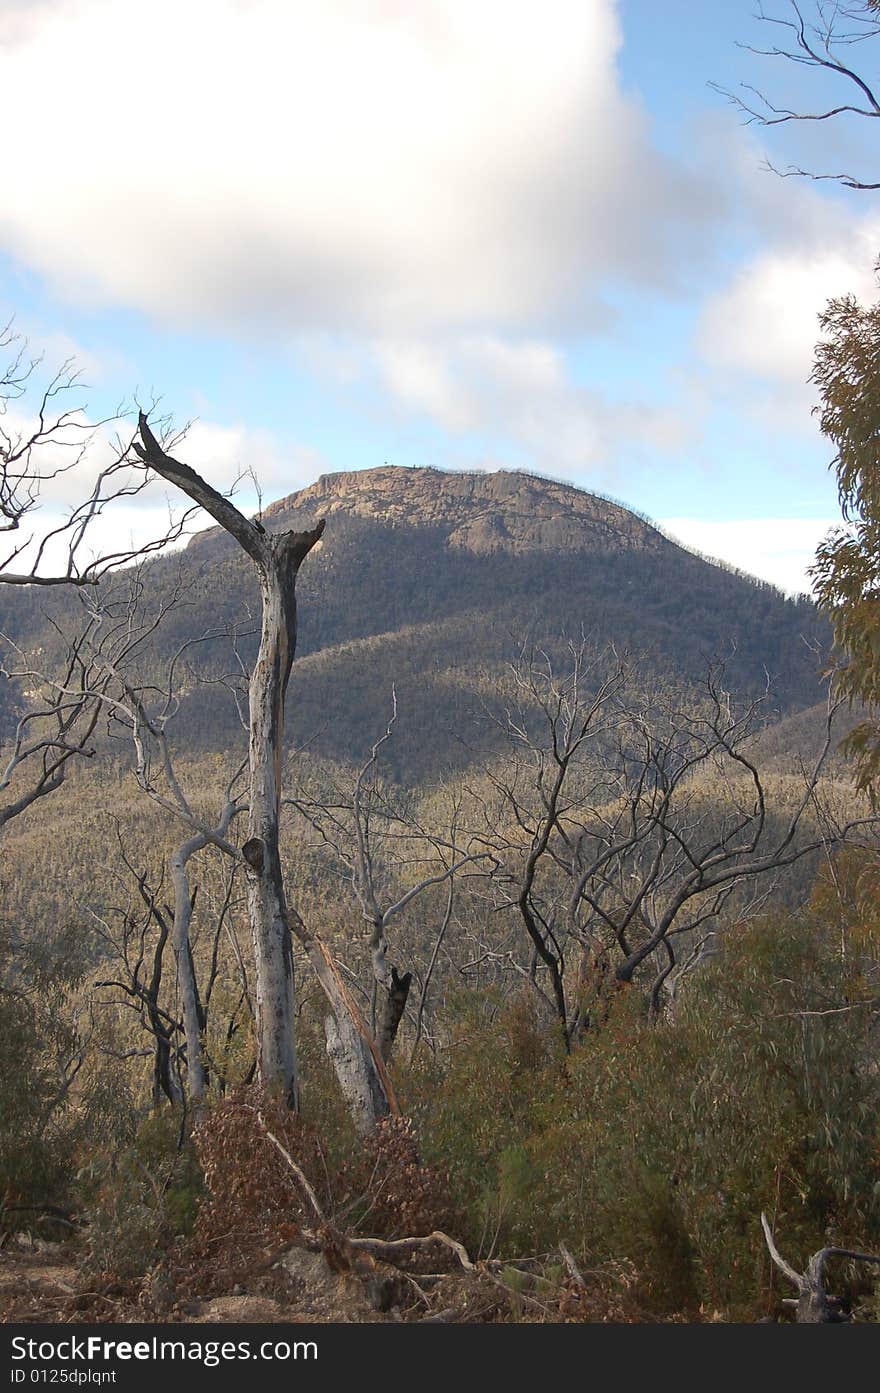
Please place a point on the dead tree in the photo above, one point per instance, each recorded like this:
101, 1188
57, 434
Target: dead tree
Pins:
58, 725
138, 926
378, 843
813, 1304
533, 793
138, 954
822, 38
45, 437
277, 559
625, 823
157, 776
111, 648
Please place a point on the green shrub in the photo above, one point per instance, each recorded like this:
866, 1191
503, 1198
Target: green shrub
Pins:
659, 1145
51, 1106
141, 1198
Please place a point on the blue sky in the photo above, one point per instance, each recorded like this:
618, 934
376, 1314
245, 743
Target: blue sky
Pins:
461, 233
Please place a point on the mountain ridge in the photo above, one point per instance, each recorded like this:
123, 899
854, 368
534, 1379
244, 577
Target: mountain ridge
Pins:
429, 581
483, 512
486, 511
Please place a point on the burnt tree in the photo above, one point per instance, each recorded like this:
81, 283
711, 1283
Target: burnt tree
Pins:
277, 559
355, 1055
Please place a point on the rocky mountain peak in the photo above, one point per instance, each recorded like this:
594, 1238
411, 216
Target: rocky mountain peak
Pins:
482, 513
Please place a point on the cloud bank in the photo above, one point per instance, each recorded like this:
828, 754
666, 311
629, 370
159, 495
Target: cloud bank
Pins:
377, 167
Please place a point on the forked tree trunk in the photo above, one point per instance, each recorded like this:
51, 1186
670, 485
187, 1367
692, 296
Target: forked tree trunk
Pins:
813, 1305
356, 1058
277, 559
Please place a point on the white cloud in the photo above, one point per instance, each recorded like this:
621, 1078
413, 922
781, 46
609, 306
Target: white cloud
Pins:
766, 321
125, 527
232, 456
366, 164
522, 391
56, 350
420, 378
775, 549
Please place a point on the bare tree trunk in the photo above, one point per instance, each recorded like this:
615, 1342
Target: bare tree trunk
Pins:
356, 1058
277, 559
393, 1009
267, 908
357, 1077
813, 1304
351, 1046
196, 1073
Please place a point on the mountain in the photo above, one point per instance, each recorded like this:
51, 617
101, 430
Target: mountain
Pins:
429, 581
483, 514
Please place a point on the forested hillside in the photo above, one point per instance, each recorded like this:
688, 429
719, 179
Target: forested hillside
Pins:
437, 895
431, 582
548, 782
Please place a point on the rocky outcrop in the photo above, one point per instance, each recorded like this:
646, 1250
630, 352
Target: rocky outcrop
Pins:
481, 513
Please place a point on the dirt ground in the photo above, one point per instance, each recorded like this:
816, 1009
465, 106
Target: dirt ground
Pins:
42, 1282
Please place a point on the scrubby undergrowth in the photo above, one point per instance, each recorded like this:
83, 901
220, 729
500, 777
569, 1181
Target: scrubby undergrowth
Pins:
623, 1182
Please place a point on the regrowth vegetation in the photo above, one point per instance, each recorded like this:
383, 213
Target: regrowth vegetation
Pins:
526, 1005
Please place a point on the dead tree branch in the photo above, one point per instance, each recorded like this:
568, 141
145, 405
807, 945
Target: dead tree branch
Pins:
814, 1305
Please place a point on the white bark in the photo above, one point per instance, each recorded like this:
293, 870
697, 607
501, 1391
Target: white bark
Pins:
267, 909
196, 1078
359, 1067
351, 1047
277, 559
345, 1050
